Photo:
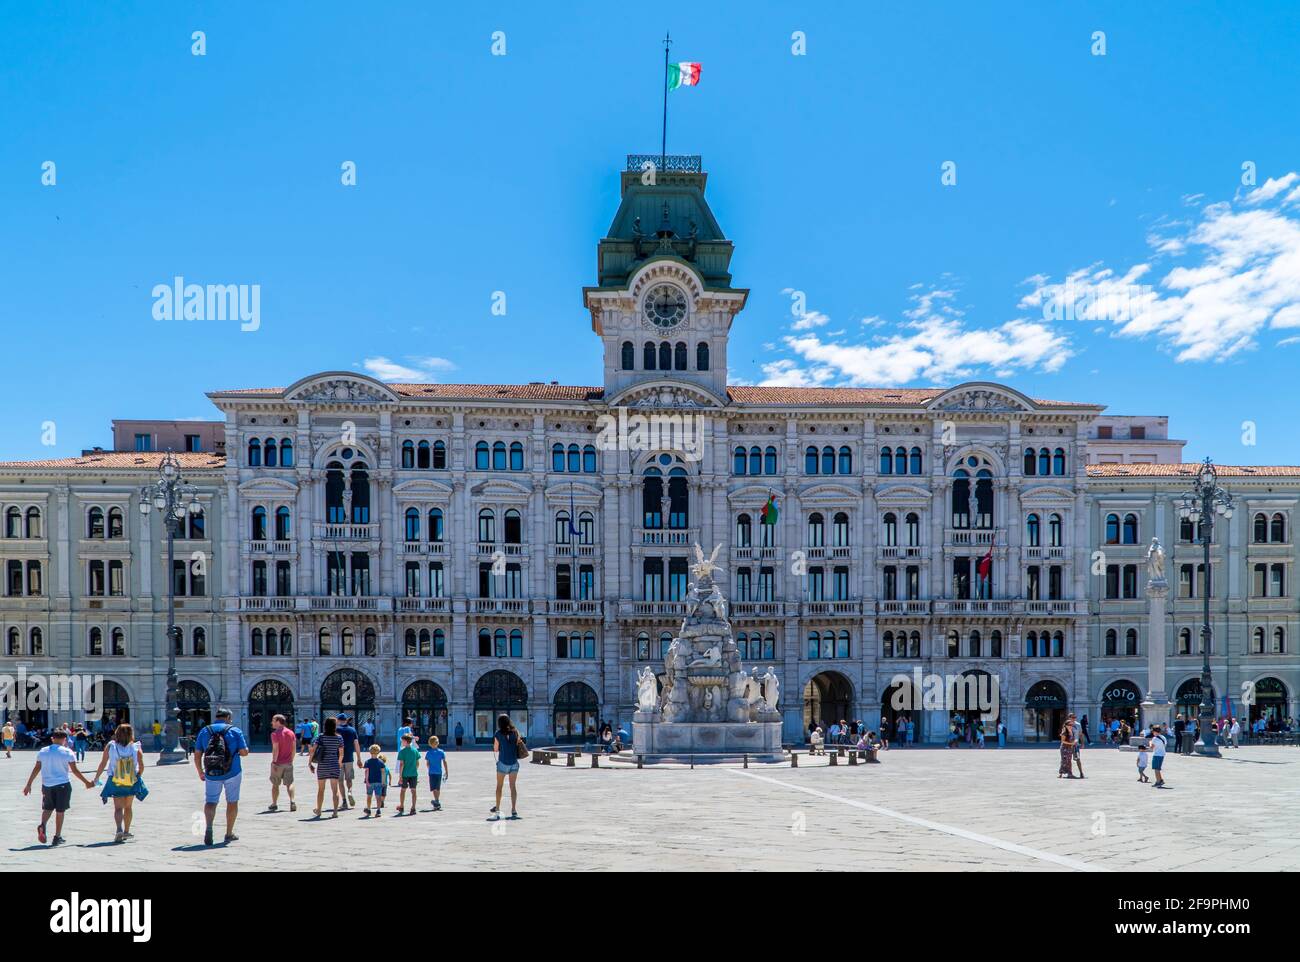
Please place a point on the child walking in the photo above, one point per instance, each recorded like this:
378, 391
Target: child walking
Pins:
408, 776
1144, 757
378, 777
436, 759
55, 763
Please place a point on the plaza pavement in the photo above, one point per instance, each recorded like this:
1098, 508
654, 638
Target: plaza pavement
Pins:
921, 809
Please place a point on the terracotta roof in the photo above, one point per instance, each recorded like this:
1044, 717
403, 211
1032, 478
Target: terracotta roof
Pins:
832, 395
149, 460
528, 392
1190, 470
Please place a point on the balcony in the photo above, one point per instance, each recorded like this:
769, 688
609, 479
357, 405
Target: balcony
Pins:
498, 606
270, 547
652, 609
757, 609
823, 553
834, 609
439, 606
581, 609
435, 548
1047, 553
972, 607
574, 550
267, 604
349, 603
901, 552
490, 548
324, 531
669, 536
978, 537
1056, 606
911, 609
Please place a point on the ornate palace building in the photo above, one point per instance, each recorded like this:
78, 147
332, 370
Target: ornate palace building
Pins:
452, 551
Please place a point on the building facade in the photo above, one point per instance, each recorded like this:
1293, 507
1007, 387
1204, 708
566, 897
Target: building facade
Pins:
452, 551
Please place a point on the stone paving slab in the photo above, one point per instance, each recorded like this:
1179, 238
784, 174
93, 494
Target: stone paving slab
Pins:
963, 810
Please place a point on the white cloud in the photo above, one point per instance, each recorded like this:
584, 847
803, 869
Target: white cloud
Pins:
935, 344
416, 369
1236, 276
810, 320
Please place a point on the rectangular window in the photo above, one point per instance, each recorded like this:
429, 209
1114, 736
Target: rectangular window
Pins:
1137, 433
586, 583
436, 587
283, 583
1112, 581
1054, 583
259, 578
766, 584
563, 583
652, 579
678, 579
816, 584
144, 442
412, 574
192, 443
889, 585
485, 580
336, 573
360, 574
840, 584
1105, 432
742, 584
913, 582
116, 588
514, 582
96, 586
1033, 583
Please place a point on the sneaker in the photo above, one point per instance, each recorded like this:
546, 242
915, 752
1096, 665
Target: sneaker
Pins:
352, 801
231, 838
273, 808
119, 838
58, 840
40, 833
293, 806
367, 811
514, 816
493, 810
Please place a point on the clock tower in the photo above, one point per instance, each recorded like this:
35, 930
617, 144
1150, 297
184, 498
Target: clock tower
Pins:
663, 303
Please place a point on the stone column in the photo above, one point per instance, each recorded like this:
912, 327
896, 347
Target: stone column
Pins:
1156, 707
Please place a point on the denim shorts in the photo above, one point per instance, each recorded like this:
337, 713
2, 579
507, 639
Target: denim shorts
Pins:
213, 787
504, 769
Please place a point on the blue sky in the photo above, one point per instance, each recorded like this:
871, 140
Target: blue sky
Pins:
479, 173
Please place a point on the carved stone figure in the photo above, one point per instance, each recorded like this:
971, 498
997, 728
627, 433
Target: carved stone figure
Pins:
647, 690
771, 688
1155, 561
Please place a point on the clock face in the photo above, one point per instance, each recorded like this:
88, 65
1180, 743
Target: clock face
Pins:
665, 306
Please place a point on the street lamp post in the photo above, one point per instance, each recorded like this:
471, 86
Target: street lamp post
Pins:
174, 499
1206, 499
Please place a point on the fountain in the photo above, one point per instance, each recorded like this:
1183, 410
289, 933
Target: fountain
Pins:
710, 706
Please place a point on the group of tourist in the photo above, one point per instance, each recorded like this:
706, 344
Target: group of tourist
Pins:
1150, 753
333, 749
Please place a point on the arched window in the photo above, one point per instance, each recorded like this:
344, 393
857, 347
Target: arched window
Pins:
1130, 532
744, 531
1044, 462
256, 645
1058, 644
498, 456
961, 499
481, 456
913, 522
586, 528
1279, 641
499, 642
702, 356
37, 642
269, 452
259, 524
1029, 467
995, 644
286, 453
679, 356
557, 458
886, 461
828, 460
1054, 530
115, 522
95, 523
1032, 532
422, 455
408, 454
975, 645
739, 464
412, 524
810, 460
487, 526
286, 641
435, 524
439, 456
1185, 641
589, 459
814, 644
282, 524
769, 460
513, 527
889, 530
254, 453
628, 359
916, 461
13, 523
563, 521
900, 460
665, 356
1112, 529
1112, 641
1131, 642
840, 530
1058, 461
954, 644
575, 458
846, 460
755, 460
347, 642
1277, 529
816, 530
199, 637
1031, 645
887, 645
648, 356
1261, 529
324, 642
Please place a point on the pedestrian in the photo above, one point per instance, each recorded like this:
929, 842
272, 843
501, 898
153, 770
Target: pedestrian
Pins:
408, 728
1179, 725
54, 762
1077, 728
347, 771
303, 731
979, 733
816, 742
367, 734
436, 761
7, 735
460, 734
156, 730
80, 742
1002, 734
217, 753
834, 733
508, 745
283, 749
125, 758
326, 760
1158, 749
1084, 728
1066, 767
378, 777
408, 772
911, 729
1234, 734
1144, 758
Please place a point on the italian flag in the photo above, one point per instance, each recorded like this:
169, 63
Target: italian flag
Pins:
683, 75
769, 510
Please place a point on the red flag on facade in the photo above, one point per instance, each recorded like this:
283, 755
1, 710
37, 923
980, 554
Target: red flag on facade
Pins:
984, 568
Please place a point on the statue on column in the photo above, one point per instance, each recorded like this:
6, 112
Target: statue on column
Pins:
1156, 562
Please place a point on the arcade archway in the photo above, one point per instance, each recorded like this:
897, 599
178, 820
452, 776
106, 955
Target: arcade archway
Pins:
827, 699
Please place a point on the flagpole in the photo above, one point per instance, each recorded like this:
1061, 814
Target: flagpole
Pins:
663, 143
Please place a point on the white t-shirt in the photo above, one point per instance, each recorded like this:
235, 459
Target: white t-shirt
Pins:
1158, 745
55, 760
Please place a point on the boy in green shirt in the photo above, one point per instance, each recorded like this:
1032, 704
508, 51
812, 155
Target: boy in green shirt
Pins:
408, 761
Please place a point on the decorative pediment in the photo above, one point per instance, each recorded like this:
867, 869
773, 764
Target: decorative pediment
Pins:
663, 395
826, 493
558, 495
902, 494
982, 397
268, 488
501, 490
340, 387
1046, 493
424, 489
753, 494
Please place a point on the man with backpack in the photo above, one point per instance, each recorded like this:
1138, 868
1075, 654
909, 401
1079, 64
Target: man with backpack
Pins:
217, 751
